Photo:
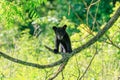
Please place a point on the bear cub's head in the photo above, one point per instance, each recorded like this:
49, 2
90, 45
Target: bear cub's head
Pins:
60, 31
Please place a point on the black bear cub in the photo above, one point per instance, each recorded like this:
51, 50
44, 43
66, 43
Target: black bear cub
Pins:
62, 39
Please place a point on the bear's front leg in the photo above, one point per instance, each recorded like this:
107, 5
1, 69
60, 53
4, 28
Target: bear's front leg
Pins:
57, 42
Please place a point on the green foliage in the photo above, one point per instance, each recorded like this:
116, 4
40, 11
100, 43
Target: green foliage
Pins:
18, 12
17, 43
75, 11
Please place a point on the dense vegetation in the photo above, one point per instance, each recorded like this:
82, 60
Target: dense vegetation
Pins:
26, 26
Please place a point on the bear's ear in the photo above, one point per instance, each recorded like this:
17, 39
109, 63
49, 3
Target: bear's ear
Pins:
64, 27
54, 28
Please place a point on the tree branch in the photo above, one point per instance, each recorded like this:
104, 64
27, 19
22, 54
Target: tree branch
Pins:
62, 66
111, 42
30, 63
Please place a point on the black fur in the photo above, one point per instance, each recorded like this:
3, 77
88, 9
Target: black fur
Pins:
62, 39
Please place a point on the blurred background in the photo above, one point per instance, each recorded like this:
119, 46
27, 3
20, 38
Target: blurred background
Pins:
26, 26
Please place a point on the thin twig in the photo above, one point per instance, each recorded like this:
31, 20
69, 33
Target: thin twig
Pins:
77, 68
88, 65
88, 7
94, 20
111, 42
62, 75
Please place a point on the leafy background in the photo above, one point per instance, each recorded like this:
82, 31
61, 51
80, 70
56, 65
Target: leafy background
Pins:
26, 26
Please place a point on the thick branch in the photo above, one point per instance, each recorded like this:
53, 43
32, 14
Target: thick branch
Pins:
31, 64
